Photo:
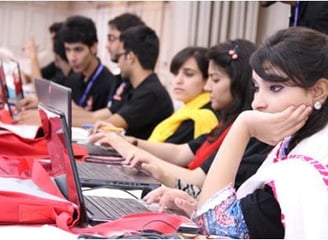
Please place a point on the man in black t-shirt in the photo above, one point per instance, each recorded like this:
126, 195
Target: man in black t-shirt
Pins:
94, 83
115, 27
144, 102
140, 102
52, 71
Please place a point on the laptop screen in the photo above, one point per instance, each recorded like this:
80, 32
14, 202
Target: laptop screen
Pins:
12, 81
3, 92
42, 90
4, 105
56, 96
63, 164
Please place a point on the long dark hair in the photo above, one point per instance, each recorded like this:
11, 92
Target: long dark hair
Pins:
238, 69
298, 56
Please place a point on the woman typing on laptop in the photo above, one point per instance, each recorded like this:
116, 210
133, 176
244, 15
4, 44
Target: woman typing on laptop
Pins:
229, 85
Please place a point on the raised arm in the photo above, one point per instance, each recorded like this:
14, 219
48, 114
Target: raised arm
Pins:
30, 49
225, 165
274, 128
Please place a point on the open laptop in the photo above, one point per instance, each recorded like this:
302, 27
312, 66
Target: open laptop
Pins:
57, 96
42, 90
4, 104
13, 85
64, 169
94, 174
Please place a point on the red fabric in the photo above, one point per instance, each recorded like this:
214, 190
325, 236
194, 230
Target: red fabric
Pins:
206, 149
14, 145
133, 223
28, 208
5, 117
18, 207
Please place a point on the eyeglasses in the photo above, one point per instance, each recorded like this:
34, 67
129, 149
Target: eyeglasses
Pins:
112, 38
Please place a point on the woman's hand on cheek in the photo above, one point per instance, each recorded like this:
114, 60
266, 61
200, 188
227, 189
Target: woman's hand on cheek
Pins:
271, 128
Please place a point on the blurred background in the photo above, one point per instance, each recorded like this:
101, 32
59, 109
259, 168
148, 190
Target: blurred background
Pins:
177, 23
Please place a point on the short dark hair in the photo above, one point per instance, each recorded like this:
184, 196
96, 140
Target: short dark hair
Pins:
198, 53
299, 56
240, 73
58, 46
144, 43
55, 27
79, 29
125, 21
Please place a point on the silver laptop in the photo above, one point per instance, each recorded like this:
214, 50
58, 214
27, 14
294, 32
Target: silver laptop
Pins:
57, 96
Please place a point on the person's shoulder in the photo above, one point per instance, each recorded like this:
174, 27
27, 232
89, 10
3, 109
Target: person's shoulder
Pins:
50, 65
107, 72
153, 82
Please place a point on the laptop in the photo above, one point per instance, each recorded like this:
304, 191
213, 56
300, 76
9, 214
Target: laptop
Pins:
13, 85
63, 167
42, 90
4, 94
57, 96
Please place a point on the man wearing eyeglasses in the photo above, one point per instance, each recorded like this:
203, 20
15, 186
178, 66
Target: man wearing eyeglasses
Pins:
146, 102
115, 27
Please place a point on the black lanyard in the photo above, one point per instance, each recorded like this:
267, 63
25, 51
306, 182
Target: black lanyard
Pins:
90, 84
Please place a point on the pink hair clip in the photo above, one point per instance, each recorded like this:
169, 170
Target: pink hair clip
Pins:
233, 54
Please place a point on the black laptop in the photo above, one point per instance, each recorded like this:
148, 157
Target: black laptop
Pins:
93, 209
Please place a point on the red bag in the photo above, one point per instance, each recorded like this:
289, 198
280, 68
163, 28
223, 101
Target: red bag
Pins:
5, 116
12, 144
135, 223
28, 195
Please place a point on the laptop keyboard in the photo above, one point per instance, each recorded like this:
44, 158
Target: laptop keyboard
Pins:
93, 171
113, 208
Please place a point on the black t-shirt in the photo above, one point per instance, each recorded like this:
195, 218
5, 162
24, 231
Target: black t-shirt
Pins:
99, 93
312, 14
53, 73
185, 131
49, 70
196, 143
255, 154
262, 214
143, 107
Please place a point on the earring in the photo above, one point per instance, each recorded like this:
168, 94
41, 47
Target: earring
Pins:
317, 105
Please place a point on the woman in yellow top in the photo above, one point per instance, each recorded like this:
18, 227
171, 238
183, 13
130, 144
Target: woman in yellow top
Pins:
196, 117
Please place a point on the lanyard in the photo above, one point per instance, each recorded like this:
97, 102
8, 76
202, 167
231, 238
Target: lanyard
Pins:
296, 12
90, 84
